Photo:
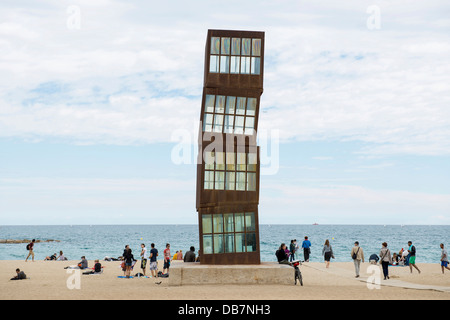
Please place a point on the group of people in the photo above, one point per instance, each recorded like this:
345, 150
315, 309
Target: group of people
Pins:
406, 257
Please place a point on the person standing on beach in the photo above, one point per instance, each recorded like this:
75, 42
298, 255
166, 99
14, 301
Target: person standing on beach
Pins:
128, 258
357, 255
306, 245
30, 247
444, 259
166, 258
412, 258
153, 260
327, 253
292, 251
386, 259
144, 257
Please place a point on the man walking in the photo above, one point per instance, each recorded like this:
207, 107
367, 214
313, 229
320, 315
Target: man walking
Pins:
357, 255
306, 245
412, 258
444, 259
30, 247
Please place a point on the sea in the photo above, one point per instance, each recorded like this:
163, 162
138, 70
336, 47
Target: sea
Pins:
100, 241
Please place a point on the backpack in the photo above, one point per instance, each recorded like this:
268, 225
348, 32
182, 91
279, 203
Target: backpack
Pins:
28, 247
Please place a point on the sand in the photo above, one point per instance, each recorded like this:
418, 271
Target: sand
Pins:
48, 280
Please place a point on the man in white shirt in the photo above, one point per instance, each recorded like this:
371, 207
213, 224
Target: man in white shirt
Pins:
144, 257
444, 259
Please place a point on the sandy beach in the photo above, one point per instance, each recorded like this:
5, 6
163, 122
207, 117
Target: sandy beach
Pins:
48, 280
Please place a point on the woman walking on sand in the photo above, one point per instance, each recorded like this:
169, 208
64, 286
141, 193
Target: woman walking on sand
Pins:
327, 252
385, 259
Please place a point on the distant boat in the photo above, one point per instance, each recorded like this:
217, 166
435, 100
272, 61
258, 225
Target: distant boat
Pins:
315, 224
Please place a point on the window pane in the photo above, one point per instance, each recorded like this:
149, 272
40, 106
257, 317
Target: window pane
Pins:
209, 103
251, 181
207, 244
224, 64
215, 45
249, 125
241, 161
231, 161
220, 180
251, 106
207, 122
220, 104
209, 180
218, 243
229, 222
240, 181
218, 223
209, 160
256, 65
218, 123
246, 47
236, 46
239, 125
240, 106
239, 222
245, 65
225, 46
256, 47
229, 243
230, 181
231, 102
251, 242
252, 161
220, 160
240, 242
235, 63
229, 121
249, 221
214, 64
207, 223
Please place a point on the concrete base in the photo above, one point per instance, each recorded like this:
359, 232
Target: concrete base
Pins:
197, 274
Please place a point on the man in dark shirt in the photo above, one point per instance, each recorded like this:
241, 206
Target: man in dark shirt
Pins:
20, 275
190, 255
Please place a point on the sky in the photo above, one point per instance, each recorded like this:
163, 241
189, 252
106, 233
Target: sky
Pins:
100, 103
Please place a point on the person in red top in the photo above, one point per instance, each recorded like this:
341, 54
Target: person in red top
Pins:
30, 250
166, 258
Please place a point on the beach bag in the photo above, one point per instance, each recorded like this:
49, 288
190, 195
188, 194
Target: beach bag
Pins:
355, 255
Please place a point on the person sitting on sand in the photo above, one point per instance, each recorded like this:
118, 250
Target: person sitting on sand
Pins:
20, 275
83, 264
51, 258
97, 268
61, 257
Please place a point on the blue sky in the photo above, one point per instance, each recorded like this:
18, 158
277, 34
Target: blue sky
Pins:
94, 97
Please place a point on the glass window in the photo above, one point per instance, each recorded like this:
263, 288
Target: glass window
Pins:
256, 47
245, 65
246, 47
209, 180
249, 125
229, 222
214, 64
250, 221
229, 243
251, 106
207, 223
209, 103
229, 121
251, 242
215, 45
207, 244
224, 64
239, 222
239, 125
207, 122
231, 161
251, 181
225, 46
218, 123
231, 102
220, 160
236, 46
220, 180
220, 104
209, 160
240, 181
218, 223
256, 65
235, 64
240, 107
252, 162
240, 242
218, 243
241, 161
230, 180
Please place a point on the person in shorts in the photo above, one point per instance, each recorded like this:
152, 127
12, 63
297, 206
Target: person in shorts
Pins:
412, 257
444, 259
144, 257
153, 260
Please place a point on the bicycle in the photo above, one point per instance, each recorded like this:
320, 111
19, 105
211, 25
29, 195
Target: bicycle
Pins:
297, 273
